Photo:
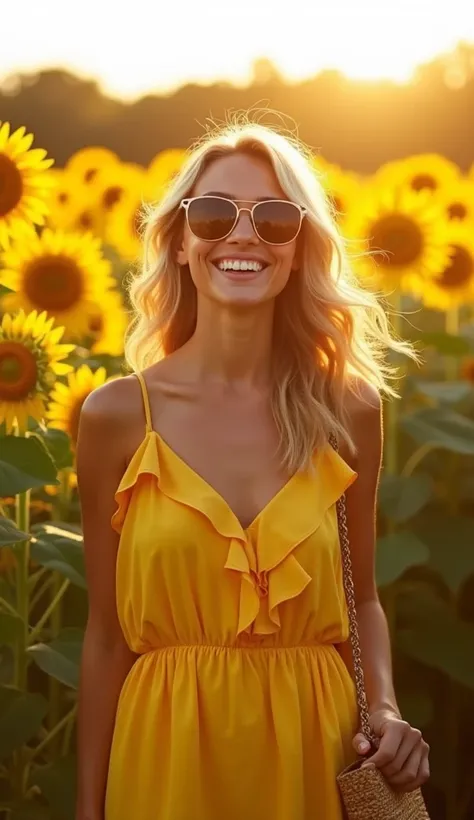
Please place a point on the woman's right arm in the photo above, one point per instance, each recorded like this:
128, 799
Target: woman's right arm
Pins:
106, 658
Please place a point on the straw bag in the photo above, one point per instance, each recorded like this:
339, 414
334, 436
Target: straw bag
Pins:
366, 794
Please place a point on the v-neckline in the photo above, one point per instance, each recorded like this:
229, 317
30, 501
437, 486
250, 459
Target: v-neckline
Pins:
210, 488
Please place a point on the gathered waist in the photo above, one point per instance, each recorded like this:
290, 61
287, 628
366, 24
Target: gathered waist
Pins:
254, 644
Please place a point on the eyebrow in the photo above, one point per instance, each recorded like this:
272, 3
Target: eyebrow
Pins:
229, 196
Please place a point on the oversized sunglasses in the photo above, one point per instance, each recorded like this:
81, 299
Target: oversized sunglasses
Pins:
275, 221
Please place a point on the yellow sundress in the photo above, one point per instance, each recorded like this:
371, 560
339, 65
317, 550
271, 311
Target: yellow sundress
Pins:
239, 707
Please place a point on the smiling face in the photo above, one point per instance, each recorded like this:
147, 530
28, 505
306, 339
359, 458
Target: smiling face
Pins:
240, 269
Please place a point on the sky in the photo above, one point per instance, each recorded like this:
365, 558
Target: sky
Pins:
144, 46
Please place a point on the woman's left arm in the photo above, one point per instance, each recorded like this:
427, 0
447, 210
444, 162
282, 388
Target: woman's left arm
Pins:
402, 755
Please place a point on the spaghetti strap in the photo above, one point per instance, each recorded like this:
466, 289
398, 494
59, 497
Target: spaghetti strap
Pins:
146, 400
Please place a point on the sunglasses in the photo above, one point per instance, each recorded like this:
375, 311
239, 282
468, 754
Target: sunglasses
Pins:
275, 221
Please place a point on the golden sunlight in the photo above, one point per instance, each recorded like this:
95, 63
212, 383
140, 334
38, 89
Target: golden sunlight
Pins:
171, 44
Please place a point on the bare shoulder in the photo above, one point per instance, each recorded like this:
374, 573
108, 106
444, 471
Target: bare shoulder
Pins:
113, 402
364, 409
112, 418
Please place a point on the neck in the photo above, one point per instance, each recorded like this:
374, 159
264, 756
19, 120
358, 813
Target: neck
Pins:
232, 347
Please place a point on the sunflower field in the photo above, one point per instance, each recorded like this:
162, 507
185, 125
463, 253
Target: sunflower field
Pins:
68, 238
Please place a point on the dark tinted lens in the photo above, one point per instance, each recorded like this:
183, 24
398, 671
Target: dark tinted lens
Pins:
277, 222
211, 218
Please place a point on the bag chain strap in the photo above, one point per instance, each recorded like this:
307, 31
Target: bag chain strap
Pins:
352, 613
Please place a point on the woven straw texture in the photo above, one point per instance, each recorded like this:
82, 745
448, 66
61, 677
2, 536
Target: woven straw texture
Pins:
366, 795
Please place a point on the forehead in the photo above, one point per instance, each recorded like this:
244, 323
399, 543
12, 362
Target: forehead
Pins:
241, 177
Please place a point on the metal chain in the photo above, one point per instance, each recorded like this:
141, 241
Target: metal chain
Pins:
352, 612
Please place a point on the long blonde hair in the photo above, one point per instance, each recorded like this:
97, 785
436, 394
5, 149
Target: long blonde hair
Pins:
329, 333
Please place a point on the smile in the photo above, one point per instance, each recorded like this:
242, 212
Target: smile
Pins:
254, 265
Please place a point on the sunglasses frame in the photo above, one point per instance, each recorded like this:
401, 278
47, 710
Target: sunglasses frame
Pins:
185, 203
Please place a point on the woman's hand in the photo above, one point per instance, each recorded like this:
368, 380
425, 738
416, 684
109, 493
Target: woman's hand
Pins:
402, 755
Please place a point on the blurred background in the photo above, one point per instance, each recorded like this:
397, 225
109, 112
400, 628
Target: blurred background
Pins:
98, 106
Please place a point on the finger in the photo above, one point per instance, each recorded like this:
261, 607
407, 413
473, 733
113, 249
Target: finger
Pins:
410, 741
414, 768
388, 749
361, 744
423, 772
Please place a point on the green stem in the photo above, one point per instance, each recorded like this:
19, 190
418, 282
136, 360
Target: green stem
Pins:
68, 735
454, 701
46, 614
54, 687
452, 327
392, 408
418, 456
40, 592
22, 553
63, 723
8, 607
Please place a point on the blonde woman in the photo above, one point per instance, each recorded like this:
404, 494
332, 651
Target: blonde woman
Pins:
215, 675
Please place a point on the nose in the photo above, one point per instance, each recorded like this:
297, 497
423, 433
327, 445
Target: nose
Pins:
243, 230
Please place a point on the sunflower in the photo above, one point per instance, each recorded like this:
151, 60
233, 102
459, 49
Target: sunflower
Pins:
124, 225
62, 273
30, 361
163, 168
343, 190
55, 489
458, 200
453, 286
24, 187
69, 198
403, 232
116, 180
88, 163
419, 172
67, 400
107, 327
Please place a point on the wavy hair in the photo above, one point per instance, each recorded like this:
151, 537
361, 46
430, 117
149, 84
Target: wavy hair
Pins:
330, 335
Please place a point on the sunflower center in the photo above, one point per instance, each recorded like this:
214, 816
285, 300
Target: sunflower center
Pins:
90, 174
457, 210
111, 196
86, 220
53, 283
421, 182
459, 270
96, 324
63, 197
18, 371
11, 185
399, 236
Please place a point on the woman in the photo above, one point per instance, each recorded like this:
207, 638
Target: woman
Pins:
215, 675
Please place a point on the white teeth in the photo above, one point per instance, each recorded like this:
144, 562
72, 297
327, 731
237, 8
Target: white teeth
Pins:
240, 264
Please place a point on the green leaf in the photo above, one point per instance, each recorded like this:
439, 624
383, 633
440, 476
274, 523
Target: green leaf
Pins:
10, 627
57, 782
447, 392
396, 553
446, 344
9, 534
61, 549
21, 716
401, 497
61, 658
59, 445
436, 637
25, 810
441, 427
450, 543
25, 463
